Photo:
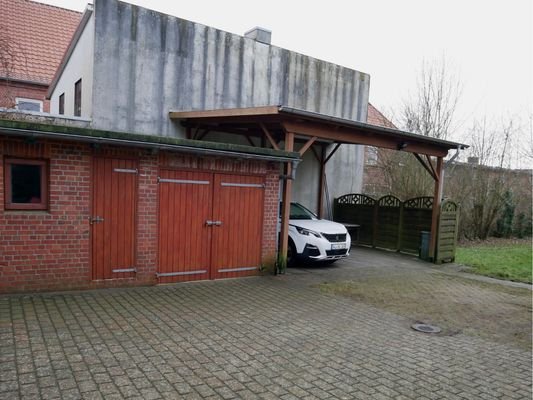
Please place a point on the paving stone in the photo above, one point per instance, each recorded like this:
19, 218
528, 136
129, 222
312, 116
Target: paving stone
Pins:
261, 337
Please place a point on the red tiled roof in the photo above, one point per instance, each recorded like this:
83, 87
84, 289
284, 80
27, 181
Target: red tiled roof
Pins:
39, 35
375, 117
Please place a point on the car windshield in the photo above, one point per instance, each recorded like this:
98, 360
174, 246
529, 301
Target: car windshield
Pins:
300, 212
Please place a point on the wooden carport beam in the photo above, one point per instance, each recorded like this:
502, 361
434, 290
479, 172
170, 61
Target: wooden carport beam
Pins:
286, 199
436, 174
306, 146
437, 196
269, 136
354, 136
429, 168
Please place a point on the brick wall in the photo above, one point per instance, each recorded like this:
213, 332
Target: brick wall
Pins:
40, 248
9, 91
50, 250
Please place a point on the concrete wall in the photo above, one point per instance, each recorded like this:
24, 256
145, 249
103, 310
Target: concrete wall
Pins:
345, 171
148, 63
79, 65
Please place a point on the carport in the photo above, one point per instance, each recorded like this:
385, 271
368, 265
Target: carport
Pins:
280, 126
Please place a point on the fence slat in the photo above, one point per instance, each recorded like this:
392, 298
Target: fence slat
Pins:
392, 224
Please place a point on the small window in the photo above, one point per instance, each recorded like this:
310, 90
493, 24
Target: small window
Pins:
26, 184
371, 155
29, 104
62, 104
77, 99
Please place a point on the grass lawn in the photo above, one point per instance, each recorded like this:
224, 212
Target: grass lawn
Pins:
498, 259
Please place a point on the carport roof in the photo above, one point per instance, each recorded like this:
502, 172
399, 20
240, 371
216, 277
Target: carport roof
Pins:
79, 134
279, 119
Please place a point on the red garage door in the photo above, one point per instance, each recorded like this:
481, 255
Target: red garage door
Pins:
113, 218
185, 204
238, 207
210, 225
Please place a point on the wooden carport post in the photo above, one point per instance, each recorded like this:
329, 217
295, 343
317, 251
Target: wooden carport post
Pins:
437, 196
286, 199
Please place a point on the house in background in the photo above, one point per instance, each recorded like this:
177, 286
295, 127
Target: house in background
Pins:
374, 182
33, 39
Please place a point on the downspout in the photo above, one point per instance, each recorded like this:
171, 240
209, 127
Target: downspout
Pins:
453, 157
292, 176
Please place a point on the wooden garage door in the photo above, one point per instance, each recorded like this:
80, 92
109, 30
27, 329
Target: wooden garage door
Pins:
210, 225
238, 206
113, 218
184, 238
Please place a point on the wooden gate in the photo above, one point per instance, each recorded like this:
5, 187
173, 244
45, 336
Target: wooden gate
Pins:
185, 204
448, 229
238, 218
113, 218
210, 225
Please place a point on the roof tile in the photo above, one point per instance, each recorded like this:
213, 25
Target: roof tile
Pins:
39, 35
375, 117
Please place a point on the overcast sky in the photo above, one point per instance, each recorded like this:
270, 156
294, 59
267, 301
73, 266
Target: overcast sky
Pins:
488, 43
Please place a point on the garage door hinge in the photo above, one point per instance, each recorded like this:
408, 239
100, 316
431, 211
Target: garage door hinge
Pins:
126, 170
121, 270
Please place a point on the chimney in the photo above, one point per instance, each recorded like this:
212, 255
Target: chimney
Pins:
473, 160
259, 34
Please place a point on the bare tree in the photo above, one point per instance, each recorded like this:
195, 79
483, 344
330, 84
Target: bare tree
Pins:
431, 110
483, 184
11, 56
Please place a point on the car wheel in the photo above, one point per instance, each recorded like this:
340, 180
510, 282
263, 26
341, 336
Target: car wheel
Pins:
291, 254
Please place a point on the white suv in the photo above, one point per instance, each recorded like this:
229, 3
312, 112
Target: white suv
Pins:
314, 239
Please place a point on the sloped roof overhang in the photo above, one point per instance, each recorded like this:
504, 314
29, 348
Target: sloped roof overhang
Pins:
38, 130
280, 119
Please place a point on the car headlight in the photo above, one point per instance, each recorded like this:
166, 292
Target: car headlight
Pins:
307, 232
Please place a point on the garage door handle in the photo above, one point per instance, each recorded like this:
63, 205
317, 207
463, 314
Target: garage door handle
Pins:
95, 220
209, 223
217, 223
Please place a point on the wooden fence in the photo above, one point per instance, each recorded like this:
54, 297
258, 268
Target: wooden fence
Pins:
391, 223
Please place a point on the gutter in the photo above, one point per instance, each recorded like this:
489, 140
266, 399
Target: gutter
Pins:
158, 146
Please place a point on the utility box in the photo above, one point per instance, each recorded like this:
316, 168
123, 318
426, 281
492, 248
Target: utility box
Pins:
424, 245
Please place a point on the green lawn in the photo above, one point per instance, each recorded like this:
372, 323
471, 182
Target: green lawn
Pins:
503, 261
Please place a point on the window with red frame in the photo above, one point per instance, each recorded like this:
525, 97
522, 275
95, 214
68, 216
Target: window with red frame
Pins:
26, 184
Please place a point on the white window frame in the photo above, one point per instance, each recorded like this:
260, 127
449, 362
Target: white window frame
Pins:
25, 100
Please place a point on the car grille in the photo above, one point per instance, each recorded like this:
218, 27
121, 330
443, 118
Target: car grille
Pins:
336, 237
339, 252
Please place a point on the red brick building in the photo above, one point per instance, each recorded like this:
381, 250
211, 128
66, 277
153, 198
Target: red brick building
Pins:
81, 208
33, 39
164, 169
374, 182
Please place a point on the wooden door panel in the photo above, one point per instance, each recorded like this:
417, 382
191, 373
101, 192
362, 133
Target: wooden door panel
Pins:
113, 218
237, 241
185, 201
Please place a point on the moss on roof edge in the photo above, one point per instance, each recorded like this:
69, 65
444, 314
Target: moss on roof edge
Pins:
141, 138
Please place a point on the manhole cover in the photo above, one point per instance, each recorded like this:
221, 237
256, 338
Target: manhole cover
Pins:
426, 328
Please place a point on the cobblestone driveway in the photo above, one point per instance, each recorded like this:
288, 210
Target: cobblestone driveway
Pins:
264, 337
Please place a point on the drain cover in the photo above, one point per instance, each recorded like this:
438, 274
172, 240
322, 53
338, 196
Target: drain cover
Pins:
426, 328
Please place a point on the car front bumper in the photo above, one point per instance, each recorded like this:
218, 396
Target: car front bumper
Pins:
320, 249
